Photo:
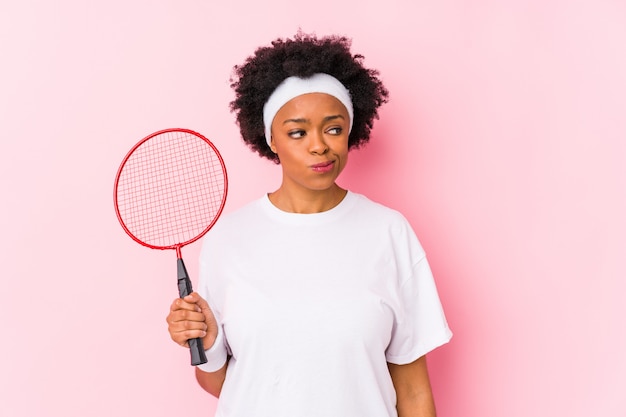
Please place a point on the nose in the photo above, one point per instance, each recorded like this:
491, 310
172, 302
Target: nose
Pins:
317, 144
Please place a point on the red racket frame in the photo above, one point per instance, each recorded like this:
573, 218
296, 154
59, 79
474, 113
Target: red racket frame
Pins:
176, 246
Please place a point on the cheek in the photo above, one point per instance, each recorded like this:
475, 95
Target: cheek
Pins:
343, 160
345, 150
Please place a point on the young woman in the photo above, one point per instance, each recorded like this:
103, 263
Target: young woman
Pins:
312, 300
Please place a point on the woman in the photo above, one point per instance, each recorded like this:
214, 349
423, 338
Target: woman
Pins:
313, 300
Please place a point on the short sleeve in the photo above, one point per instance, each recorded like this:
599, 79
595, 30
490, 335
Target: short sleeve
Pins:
420, 324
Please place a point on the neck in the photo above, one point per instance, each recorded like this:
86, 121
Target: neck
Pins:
309, 201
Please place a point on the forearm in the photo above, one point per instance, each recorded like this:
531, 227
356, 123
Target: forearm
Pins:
413, 391
212, 382
417, 405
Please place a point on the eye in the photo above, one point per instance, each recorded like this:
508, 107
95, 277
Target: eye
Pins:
335, 131
297, 134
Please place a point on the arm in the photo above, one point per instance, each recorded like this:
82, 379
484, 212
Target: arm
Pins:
413, 391
191, 317
212, 382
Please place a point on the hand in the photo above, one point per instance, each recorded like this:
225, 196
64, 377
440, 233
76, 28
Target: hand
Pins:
189, 318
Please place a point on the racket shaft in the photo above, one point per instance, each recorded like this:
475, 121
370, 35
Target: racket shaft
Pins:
196, 346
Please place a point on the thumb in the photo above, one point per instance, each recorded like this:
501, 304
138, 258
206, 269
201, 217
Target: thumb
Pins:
204, 307
210, 321
194, 298
201, 302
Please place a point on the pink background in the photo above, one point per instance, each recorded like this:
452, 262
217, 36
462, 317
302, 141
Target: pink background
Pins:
504, 144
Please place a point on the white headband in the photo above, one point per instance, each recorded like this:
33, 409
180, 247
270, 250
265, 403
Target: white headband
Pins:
295, 86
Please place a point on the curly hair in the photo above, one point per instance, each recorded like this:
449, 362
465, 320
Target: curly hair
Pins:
303, 56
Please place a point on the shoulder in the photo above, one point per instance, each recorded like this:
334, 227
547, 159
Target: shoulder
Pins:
374, 210
388, 225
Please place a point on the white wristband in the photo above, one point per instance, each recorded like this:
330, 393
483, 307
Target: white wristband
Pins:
216, 355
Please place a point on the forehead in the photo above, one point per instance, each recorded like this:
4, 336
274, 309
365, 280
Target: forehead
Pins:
311, 104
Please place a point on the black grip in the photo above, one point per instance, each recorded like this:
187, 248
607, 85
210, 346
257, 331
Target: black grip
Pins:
196, 346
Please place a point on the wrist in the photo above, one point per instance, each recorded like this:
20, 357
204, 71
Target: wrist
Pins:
216, 354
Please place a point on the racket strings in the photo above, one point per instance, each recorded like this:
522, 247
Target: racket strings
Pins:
171, 189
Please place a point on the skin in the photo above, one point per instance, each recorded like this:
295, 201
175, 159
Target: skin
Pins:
190, 318
413, 390
309, 130
310, 137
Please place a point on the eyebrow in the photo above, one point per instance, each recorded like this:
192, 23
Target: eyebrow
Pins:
302, 120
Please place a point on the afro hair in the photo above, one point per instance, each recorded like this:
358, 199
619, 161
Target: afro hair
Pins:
303, 56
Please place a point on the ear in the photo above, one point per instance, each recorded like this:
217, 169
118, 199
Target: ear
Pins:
272, 145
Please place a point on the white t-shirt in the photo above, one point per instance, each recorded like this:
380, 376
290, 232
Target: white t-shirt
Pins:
313, 306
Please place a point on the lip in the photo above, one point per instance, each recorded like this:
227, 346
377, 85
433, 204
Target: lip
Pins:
323, 167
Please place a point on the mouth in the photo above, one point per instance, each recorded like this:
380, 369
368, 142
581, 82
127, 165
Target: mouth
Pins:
323, 166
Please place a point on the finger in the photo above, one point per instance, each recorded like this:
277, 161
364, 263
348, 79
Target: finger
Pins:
181, 315
183, 326
180, 304
187, 315
201, 303
181, 332
192, 298
183, 337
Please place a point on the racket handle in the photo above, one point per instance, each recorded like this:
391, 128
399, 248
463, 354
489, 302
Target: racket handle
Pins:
196, 347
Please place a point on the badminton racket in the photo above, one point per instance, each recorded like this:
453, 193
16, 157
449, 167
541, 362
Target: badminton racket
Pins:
169, 191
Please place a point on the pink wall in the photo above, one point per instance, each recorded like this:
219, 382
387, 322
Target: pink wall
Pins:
504, 144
